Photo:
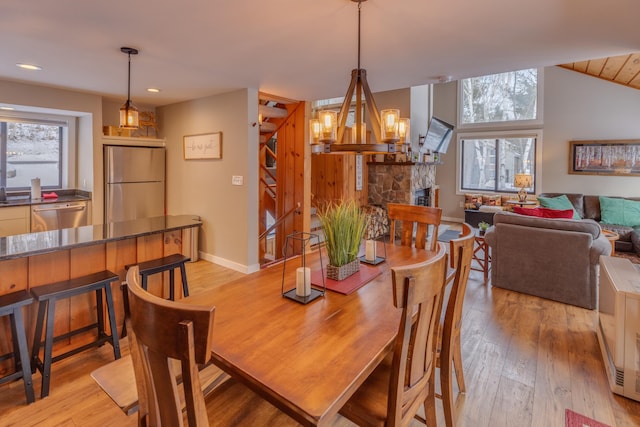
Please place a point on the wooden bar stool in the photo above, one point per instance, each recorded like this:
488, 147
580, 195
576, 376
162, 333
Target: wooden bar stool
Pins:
47, 295
11, 305
168, 263
147, 268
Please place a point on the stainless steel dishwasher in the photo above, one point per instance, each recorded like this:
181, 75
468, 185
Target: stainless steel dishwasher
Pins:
53, 216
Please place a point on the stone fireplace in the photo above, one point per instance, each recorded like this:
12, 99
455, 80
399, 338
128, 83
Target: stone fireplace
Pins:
408, 183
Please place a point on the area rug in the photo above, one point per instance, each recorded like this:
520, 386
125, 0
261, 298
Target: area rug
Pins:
573, 419
349, 285
448, 235
628, 255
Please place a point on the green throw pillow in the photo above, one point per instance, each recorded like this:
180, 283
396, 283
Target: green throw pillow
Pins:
620, 211
560, 203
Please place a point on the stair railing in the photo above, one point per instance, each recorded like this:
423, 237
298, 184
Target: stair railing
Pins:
295, 209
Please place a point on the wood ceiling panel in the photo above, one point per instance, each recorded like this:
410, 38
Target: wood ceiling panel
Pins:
595, 66
623, 69
613, 66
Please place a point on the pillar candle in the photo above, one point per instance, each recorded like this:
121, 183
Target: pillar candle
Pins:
370, 250
303, 281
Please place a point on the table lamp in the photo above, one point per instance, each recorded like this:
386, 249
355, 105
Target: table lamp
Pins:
522, 180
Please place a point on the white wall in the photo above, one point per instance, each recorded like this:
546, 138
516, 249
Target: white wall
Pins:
576, 106
203, 187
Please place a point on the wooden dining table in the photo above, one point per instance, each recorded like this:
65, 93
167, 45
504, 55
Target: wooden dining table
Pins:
308, 359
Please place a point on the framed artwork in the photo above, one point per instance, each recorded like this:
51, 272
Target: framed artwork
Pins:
615, 157
203, 146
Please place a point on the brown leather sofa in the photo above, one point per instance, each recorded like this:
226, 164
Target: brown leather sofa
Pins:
555, 259
589, 208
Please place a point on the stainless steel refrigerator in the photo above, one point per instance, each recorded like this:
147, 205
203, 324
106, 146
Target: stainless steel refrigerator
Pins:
134, 182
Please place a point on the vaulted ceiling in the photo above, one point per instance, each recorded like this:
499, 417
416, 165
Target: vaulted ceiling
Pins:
300, 49
621, 69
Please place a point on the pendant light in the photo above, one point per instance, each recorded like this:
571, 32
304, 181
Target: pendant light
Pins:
128, 112
327, 131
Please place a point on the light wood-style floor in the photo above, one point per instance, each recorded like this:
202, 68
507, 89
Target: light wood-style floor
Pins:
525, 361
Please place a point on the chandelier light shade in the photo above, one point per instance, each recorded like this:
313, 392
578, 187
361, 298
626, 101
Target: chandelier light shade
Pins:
523, 180
386, 134
328, 126
404, 131
314, 131
128, 112
389, 125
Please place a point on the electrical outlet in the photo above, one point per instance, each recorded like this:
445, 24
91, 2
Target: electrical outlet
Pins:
236, 180
462, 204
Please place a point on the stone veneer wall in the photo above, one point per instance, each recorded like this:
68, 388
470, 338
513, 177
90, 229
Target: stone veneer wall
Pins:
397, 182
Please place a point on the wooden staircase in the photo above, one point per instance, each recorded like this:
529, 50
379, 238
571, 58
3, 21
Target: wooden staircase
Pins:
281, 174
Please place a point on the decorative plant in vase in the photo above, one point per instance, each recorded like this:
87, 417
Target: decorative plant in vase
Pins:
482, 226
344, 225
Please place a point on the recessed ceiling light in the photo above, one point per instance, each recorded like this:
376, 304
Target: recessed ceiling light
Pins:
29, 67
7, 108
153, 90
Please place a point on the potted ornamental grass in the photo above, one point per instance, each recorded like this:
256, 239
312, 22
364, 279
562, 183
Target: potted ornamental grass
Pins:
344, 225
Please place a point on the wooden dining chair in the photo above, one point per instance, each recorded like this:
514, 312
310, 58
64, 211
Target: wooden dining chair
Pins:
163, 330
404, 382
420, 216
449, 351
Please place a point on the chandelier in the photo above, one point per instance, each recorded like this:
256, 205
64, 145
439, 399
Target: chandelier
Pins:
327, 132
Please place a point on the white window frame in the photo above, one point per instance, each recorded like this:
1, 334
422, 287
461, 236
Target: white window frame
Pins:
503, 125
524, 133
69, 139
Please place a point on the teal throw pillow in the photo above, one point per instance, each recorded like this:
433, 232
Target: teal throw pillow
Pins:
620, 211
560, 203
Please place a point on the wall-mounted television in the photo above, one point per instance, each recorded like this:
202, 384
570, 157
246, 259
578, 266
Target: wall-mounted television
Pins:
438, 136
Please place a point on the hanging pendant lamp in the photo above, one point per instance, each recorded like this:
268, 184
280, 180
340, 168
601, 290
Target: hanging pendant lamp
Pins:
128, 112
327, 131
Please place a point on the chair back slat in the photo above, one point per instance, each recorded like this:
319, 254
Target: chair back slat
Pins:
163, 330
418, 217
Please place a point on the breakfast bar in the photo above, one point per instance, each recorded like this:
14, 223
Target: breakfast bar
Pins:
34, 259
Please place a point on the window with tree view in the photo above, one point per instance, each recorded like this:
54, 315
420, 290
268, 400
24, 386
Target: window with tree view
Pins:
30, 149
504, 97
491, 164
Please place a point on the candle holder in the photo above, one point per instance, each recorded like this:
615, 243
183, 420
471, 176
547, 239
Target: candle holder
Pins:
378, 226
367, 258
303, 292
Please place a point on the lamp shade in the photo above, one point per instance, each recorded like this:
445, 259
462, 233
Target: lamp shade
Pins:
523, 180
129, 116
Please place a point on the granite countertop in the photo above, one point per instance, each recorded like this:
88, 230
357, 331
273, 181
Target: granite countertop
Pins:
24, 198
23, 245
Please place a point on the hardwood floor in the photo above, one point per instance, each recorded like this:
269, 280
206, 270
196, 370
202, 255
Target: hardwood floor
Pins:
525, 361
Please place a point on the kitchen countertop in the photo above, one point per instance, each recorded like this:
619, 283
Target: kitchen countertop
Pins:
24, 199
23, 245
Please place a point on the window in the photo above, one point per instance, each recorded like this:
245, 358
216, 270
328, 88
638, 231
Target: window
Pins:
500, 114
491, 164
500, 98
31, 148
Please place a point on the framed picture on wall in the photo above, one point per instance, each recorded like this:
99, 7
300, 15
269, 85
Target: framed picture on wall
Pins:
614, 157
203, 146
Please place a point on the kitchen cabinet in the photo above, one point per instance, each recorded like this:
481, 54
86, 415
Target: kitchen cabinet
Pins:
14, 220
